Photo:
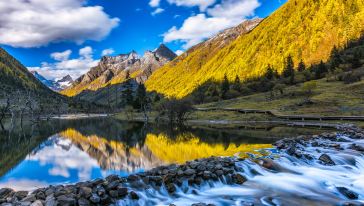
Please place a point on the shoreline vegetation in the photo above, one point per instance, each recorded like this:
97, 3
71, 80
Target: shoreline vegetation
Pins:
226, 118
193, 173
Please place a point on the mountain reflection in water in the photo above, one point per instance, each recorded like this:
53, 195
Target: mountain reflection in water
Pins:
70, 151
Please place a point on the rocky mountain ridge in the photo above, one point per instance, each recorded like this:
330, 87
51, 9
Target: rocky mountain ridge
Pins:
114, 69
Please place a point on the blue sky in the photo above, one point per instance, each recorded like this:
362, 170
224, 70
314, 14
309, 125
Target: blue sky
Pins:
68, 36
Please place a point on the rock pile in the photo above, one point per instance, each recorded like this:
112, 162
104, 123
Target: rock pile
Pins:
107, 191
296, 146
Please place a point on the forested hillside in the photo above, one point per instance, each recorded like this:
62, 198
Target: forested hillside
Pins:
305, 29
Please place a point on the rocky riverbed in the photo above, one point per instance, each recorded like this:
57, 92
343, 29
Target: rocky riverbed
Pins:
109, 190
168, 182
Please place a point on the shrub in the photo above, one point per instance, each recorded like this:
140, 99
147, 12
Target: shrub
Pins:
351, 77
232, 94
176, 110
307, 89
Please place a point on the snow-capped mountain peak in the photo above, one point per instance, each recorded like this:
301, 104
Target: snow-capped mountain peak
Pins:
55, 85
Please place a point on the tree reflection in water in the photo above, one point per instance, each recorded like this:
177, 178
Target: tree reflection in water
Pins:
77, 150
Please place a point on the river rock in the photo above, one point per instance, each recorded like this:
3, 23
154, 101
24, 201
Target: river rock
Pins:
95, 198
201, 168
100, 190
132, 178
202, 204
348, 193
66, 200
218, 166
134, 195
171, 188
37, 203
83, 202
112, 178
112, 185
189, 172
326, 159
122, 191
219, 173
97, 181
49, 191
356, 147
50, 201
207, 175
21, 194
24, 203
85, 192
29, 198
238, 179
294, 152
113, 193
40, 196
5, 192
59, 192
157, 180
105, 200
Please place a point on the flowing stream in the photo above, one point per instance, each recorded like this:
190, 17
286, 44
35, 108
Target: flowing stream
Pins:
80, 150
288, 181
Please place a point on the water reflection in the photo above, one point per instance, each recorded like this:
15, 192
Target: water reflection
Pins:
79, 150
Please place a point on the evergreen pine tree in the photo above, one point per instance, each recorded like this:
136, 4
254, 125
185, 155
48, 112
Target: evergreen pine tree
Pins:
355, 62
301, 66
270, 73
157, 98
128, 91
335, 59
288, 71
225, 86
140, 97
276, 73
237, 84
320, 70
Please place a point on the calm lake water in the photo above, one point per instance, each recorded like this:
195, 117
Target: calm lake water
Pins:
70, 151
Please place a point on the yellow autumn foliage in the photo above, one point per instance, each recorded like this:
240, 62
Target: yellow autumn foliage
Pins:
97, 84
305, 29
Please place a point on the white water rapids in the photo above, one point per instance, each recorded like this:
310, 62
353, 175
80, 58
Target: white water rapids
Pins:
293, 181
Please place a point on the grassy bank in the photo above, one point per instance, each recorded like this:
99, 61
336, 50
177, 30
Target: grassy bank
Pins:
329, 98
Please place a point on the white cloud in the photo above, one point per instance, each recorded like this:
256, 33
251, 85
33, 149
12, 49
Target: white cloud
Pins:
65, 66
61, 56
238, 9
202, 4
86, 52
154, 3
179, 52
227, 14
107, 52
35, 23
157, 11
